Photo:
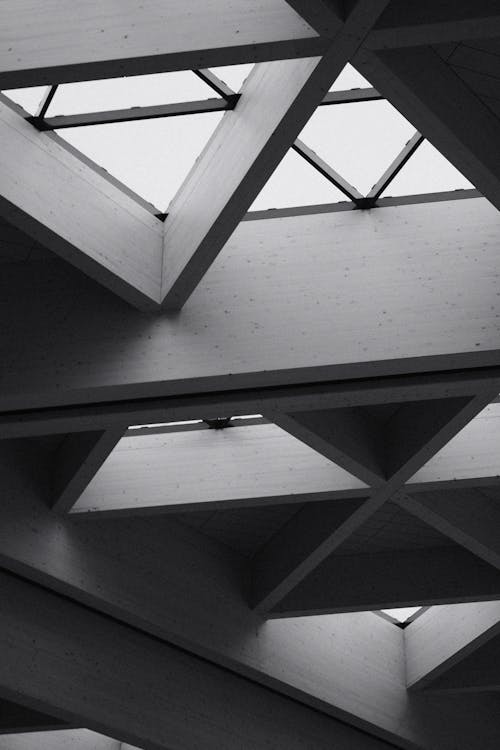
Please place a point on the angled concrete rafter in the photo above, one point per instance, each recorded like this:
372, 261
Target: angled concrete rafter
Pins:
129, 571
444, 636
276, 101
466, 516
285, 561
184, 706
64, 204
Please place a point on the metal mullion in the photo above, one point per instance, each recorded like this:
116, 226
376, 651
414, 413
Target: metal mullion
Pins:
131, 114
395, 167
327, 171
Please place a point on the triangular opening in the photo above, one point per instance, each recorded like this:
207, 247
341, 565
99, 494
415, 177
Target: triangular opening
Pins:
349, 78
358, 140
427, 171
402, 614
132, 91
296, 183
151, 157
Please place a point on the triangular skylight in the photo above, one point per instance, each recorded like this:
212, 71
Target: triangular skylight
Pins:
152, 157
401, 614
135, 91
427, 172
296, 183
349, 78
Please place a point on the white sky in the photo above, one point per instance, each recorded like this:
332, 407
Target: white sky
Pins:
401, 613
153, 157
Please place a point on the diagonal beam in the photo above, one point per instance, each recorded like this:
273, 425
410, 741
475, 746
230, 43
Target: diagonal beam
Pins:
276, 101
131, 572
185, 705
64, 204
383, 580
429, 93
468, 517
282, 564
325, 16
339, 434
443, 636
77, 461
471, 458
79, 42
476, 673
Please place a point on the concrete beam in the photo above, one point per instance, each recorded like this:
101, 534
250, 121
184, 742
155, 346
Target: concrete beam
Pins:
64, 657
284, 562
276, 102
467, 516
341, 435
77, 460
244, 327
469, 458
348, 583
129, 569
476, 673
426, 22
68, 207
91, 41
444, 635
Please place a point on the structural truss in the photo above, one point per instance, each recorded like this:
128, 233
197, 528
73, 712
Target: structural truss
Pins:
230, 438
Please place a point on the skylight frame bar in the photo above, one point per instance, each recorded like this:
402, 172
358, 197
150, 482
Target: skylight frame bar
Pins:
215, 83
351, 96
395, 167
327, 171
132, 114
46, 101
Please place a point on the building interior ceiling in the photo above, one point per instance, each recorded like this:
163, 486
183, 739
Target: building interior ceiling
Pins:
249, 391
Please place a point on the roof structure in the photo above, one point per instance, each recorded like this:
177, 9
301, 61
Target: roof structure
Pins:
249, 402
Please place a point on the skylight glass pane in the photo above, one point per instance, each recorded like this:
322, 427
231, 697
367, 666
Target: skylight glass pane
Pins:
427, 172
134, 91
296, 183
349, 78
29, 98
233, 75
358, 140
401, 614
152, 157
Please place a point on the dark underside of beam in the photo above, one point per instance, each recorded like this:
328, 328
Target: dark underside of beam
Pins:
15, 718
345, 583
